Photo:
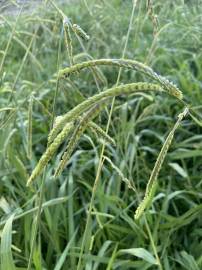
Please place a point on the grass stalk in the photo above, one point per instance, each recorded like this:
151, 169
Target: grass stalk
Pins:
112, 92
37, 222
101, 159
150, 189
122, 63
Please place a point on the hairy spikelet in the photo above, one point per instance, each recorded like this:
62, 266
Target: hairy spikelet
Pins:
50, 152
131, 64
93, 126
145, 202
68, 40
56, 121
112, 92
52, 148
153, 16
100, 132
119, 172
155, 172
80, 32
78, 131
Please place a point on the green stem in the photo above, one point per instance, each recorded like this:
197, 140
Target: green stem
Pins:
33, 242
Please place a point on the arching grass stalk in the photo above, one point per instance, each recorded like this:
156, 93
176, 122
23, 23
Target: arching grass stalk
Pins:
123, 63
150, 189
67, 121
112, 92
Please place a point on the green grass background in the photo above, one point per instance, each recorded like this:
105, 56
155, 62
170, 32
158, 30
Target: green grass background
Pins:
171, 229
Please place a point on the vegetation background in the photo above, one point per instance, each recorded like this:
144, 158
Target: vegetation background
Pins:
165, 35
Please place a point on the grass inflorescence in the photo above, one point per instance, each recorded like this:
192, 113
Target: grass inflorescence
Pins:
96, 173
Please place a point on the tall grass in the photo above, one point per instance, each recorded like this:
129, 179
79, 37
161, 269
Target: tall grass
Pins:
91, 168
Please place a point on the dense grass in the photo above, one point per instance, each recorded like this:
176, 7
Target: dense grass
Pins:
32, 50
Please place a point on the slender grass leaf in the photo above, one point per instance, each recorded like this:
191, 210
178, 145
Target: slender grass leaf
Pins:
6, 242
140, 253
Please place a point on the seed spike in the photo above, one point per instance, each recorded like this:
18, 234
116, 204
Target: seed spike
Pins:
152, 183
78, 131
125, 63
112, 92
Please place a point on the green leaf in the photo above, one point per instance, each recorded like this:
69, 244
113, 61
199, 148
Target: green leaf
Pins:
181, 154
140, 253
187, 261
178, 169
64, 254
6, 241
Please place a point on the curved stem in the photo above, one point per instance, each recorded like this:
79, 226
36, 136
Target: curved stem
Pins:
122, 63
112, 92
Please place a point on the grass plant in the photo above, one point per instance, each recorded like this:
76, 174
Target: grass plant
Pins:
95, 172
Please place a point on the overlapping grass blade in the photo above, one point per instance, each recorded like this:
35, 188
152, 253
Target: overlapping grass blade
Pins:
7, 261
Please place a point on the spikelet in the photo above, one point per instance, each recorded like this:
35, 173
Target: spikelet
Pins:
68, 39
56, 121
131, 64
100, 132
52, 148
123, 178
145, 203
80, 32
153, 16
112, 92
50, 152
151, 186
93, 126
78, 131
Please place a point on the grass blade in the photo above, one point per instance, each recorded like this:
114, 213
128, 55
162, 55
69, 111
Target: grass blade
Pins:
6, 242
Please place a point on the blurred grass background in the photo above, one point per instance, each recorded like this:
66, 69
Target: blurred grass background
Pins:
30, 55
